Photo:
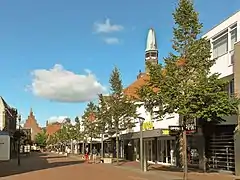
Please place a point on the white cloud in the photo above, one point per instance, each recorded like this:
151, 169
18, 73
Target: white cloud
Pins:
111, 40
59, 119
58, 84
107, 27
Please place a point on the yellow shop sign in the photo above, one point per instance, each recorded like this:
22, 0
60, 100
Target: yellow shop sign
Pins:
148, 126
165, 132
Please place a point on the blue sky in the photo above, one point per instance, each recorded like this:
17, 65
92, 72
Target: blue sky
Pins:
37, 35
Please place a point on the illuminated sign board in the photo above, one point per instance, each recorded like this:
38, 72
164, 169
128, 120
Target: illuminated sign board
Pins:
148, 126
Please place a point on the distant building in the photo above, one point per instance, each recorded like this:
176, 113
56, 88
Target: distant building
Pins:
52, 128
8, 117
8, 122
31, 123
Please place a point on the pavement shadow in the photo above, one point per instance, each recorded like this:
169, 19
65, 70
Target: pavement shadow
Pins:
172, 169
35, 162
158, 167
177, 169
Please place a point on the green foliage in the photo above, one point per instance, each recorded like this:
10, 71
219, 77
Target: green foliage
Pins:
185, 85
52, 139
41, 139
103, 114
89, 121
76, 130
151, 100
121, 109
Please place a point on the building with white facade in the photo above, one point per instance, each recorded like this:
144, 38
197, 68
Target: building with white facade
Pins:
220, 142
8, 121
156, 136
215, 143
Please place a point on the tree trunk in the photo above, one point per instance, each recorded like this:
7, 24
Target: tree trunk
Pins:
117, 148
102, 146
141, 146
91, 148
183, 148
185, 155
180, 150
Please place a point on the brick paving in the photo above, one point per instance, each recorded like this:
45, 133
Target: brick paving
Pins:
51, 166
160, 171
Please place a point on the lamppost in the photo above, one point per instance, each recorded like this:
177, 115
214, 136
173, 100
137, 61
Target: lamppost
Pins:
91, 118
141, 144
19, 139
143, 160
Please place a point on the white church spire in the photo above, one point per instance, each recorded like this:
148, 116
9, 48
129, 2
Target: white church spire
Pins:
151, 51
151, 41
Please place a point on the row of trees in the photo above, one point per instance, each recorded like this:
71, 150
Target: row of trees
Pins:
182, 85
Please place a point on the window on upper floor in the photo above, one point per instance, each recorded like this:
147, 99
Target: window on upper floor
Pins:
233, 36
220, 44
230, 88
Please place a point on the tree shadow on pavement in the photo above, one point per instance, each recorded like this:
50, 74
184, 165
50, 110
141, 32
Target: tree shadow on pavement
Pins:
35, 162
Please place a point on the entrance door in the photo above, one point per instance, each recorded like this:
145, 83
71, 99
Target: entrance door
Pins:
165, 151
149, 150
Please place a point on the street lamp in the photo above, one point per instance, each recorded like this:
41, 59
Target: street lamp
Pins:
19, 138
142, 147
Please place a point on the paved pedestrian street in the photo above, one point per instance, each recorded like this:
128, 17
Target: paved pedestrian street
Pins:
47, 166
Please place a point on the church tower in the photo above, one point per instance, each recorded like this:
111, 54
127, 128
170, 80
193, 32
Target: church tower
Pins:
151, 52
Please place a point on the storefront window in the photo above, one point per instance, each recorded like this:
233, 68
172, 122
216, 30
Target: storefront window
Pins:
193, 156
165, 149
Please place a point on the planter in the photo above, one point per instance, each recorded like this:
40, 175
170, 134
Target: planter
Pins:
107, 160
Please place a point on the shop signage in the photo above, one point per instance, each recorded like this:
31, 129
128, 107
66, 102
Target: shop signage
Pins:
175, 130
165, 131
191, 128
148, 125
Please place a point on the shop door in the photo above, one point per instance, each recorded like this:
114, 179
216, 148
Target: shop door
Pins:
165, 151
149, 150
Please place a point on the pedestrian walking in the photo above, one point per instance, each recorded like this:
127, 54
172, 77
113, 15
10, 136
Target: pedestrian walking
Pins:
94, 152
87, 154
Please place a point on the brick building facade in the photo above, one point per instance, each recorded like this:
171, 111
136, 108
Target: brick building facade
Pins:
31, 123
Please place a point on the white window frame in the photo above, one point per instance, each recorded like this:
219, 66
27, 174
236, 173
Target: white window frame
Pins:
233, 29
224, 37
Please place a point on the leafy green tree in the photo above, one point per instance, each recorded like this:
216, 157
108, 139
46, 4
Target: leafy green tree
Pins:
121, 109
78, 136
52, 140
41, 139
103, 118
89, 122
186, 85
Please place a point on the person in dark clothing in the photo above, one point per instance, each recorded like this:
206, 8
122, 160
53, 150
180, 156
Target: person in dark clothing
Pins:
94, 152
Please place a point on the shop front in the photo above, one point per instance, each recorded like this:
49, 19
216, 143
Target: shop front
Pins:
160, 147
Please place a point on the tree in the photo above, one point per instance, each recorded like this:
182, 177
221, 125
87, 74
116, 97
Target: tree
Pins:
185, 84
103, 118
78, 136
52, 140
148, 98
41, 139
89, 122
121, 109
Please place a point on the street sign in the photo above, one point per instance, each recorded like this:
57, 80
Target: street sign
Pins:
175, 130
191, 127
